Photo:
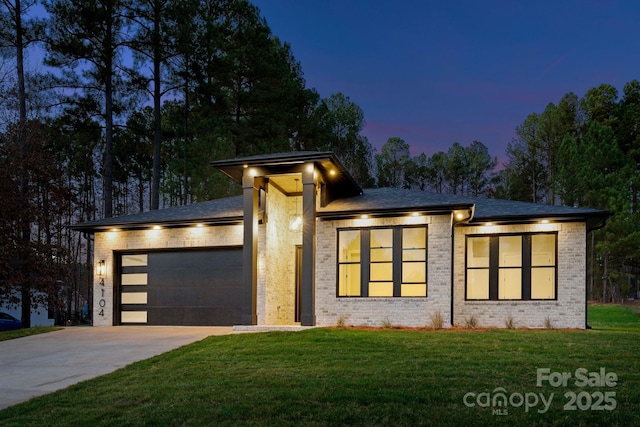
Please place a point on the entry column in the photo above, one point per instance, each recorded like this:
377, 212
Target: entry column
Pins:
308, 291
249, 250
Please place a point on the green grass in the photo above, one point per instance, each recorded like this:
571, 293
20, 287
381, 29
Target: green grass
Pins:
351, 377
9, 335
614, 317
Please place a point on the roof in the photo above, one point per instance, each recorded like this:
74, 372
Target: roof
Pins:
394, 200
382, 201
332, 171
218, 211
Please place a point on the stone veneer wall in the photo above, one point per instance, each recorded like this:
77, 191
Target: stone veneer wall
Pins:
276, 248
171, 238
568, 311
414, 312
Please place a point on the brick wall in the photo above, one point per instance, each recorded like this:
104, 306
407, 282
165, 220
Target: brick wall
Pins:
172, 238
568, 311
416, 312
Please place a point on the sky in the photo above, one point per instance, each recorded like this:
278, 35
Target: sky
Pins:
438, 72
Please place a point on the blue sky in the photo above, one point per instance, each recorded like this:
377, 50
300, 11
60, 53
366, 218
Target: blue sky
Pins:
437, 72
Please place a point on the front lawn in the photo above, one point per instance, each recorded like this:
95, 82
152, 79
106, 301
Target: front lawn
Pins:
614, 317
19, 333
354, 377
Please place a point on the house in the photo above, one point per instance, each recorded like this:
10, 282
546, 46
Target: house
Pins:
305, 245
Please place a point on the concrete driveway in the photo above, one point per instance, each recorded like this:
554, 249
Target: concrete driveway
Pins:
39, 364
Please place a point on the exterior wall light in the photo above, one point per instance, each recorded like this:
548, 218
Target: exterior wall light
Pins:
295, 220
101, 268
295, 223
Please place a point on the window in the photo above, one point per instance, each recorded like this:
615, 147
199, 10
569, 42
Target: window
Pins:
511, 267
349, 263
382, 262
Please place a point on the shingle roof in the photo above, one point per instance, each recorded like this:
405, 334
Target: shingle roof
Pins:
383, 201
394, 199
224, 210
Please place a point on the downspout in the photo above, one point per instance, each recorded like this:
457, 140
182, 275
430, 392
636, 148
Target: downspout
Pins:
452, 265
457, 218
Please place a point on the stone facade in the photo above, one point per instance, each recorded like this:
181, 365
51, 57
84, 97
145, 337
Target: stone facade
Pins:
276, 261
567, 311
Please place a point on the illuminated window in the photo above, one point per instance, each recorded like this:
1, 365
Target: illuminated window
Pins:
349, 263
511, 267
382, 262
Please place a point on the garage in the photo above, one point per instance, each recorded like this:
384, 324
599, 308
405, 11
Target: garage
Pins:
199, 287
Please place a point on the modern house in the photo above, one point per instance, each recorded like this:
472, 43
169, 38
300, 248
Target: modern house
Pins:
305, 245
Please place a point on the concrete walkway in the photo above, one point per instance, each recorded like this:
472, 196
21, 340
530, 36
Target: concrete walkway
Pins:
39, 364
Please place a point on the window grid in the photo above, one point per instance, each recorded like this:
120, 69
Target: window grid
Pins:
393, 262
495, 277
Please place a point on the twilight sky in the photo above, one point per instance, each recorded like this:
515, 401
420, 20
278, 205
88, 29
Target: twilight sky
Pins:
435, 72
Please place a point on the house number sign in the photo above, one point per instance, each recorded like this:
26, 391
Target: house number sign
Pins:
101, 302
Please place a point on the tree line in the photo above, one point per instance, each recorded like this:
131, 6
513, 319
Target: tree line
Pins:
581, 152
118, 106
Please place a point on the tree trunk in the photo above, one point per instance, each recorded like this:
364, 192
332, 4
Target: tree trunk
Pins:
157, 117
108, 134
605, 277
25, 230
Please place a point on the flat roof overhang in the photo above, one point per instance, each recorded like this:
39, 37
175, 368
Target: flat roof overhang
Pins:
337, 178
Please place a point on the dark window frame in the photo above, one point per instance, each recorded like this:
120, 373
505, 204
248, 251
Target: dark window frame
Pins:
397, 260
526, 266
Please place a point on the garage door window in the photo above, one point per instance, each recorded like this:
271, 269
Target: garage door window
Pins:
134, 279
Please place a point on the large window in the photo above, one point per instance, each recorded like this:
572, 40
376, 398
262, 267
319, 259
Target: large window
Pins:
511, 267
382, 262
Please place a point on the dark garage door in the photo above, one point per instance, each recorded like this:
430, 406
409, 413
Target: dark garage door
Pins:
186, 288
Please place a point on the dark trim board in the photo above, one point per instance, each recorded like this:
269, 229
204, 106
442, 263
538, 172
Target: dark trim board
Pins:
190, 287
